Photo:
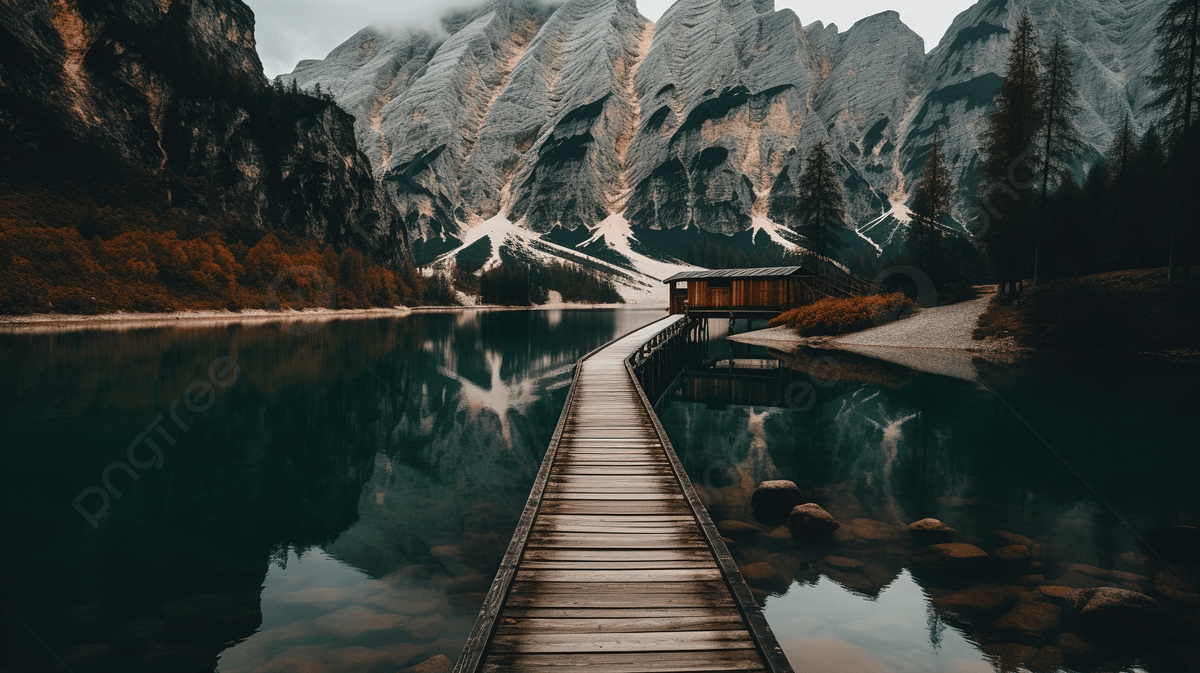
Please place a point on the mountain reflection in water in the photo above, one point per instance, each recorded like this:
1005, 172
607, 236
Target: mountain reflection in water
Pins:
342, 506
879, 446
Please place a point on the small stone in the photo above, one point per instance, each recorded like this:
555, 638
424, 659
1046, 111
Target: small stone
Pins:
448, 551
854, 582
950, 558
423, 629
1013, 553
764, 575
726, 540
1074, 645
810, 520
930, 531
1031, 618
871, 531
1058, 593
775, 498
978, 601
779, 533
469, 583
843, 563
1048, 659
1079, 581
359, 624
439, 664
1030, 580
1011, 656
737, 530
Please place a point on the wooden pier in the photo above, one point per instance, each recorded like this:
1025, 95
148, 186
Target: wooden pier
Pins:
615, 565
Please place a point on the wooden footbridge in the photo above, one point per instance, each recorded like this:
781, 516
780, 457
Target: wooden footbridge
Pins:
615, 565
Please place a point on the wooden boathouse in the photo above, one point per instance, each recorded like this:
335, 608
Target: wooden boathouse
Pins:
759, 293
615, 565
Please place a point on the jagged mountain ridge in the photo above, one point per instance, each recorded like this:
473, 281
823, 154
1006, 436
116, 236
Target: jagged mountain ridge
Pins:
176, 87
561, 116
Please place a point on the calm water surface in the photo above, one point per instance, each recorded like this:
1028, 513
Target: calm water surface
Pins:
341, 500
1075, 455
338, 502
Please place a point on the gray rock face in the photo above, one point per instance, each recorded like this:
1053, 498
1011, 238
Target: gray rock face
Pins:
565, 116
138, 85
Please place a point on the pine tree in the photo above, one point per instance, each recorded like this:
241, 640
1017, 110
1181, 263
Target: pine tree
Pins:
1060, 140
1011, 142
932, 203
819, 201
1120, 156
1176, 78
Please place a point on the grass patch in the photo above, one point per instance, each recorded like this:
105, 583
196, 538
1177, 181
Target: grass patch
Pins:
1120, 312
831, 317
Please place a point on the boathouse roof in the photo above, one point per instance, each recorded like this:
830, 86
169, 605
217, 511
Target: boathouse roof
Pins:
762, 272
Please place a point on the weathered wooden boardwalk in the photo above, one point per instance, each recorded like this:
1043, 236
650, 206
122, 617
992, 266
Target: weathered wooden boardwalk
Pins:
615, 565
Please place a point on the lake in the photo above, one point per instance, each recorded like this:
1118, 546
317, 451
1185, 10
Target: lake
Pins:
338, 495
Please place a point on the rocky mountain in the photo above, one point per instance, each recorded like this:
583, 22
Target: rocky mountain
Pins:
584, 128
176, 87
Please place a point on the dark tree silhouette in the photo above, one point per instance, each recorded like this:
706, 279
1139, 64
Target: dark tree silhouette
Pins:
1060, 139
819, 201
932, 203
1175, 79
1011, 142
1120, 156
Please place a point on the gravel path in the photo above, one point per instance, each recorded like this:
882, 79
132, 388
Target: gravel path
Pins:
940, 327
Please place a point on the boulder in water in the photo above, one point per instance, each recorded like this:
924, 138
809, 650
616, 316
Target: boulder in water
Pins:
950, 558
930, 531
810, 520
774, 499
1121, 612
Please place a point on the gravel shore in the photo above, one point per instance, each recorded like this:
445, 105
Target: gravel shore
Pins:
935, 340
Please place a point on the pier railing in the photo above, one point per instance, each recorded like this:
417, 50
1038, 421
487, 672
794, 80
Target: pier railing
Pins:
658, 362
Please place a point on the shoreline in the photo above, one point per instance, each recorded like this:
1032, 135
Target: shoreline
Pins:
53, 322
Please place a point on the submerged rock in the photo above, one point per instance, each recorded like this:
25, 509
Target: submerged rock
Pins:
775, 498
810, 520
765, 576
950, 558
737, 530
978, 601
1120, 612
870, 531
1031, 618
930, 531
439, 664
843, 563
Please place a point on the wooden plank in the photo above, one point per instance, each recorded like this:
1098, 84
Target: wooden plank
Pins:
613, 541
634, 589
623, 575
721, 622
615, 565
648, 641
617, 613
614, 662
599, 599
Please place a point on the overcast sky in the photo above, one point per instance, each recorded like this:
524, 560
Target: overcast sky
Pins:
291, 30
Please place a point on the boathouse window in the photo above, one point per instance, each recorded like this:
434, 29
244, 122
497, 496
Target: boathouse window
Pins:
718, 282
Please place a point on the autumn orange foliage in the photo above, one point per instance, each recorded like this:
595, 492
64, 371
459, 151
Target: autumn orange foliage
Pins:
830, 317
84, 233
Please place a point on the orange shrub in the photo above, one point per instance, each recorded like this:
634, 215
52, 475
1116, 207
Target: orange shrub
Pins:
830, 317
